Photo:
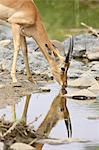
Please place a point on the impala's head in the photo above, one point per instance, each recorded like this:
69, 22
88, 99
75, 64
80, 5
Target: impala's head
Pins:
60, 68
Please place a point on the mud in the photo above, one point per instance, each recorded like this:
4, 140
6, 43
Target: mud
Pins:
11, 92
20, 133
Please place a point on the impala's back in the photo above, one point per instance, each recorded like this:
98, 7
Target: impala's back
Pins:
17, 10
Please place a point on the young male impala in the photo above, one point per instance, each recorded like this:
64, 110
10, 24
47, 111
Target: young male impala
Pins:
25, 20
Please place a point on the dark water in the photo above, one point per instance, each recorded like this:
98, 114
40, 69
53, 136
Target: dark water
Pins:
83, 128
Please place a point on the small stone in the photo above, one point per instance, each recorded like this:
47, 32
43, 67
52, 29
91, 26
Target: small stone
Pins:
2, 146
79, 54
21, 146
84, 92
86, 80
94, 88
95, 67
93, 63
75, 73
59, 45
2, 86
93, 56
5, 43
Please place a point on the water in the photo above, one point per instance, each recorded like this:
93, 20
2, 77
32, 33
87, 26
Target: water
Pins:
83, 128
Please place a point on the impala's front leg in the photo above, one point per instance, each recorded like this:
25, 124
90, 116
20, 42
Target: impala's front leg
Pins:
26, 61
16, 41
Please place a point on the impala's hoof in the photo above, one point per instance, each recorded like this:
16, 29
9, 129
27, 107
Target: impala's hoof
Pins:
14, 80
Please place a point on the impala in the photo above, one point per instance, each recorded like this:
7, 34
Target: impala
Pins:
25, 20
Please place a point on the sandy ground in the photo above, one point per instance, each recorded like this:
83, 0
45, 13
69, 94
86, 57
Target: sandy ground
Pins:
11, 92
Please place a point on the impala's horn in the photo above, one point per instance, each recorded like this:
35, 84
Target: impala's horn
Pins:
70, 50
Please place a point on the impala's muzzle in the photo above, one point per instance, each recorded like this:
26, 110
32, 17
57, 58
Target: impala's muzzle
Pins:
64, 69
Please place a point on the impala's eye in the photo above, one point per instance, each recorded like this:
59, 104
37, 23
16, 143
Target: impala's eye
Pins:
63, 69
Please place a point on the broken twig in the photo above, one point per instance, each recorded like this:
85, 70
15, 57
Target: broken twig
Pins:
10, 129
54, 141
90, 29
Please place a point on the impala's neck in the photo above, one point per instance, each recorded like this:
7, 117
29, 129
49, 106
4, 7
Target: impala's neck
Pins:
46, 127
41, 37
57, 112
38, 32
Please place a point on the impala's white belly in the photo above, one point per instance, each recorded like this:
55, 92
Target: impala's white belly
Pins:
5, 12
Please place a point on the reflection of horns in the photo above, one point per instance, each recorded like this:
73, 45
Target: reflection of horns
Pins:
69, 127
58, 111
69, 54
68, 121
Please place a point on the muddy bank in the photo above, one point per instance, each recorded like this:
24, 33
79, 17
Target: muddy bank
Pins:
19, 133
11, 92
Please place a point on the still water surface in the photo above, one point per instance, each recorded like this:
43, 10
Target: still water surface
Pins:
83, 128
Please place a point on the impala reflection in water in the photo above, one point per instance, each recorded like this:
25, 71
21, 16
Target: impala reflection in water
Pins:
58, 111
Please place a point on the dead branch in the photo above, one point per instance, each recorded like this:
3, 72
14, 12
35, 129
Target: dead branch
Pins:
90, 29
54, 141
10, 129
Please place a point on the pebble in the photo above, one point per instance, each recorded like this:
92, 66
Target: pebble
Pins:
21, 146
94, 88
84, 81
83, 92
2, 146
5, 42
59, 45
93, 56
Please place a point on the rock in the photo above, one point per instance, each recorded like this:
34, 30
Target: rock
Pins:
79, 53
6, 65
5, 43
75, 73
21, 146
93, 56
2, 36
94, 88
93, 63
83, 44
76, 64
76, 69
2, 85
84, 92
86, 80
59, 45
2, 146
95, 67
6, 30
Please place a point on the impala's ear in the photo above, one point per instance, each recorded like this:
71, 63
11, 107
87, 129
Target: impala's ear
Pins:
70, 51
